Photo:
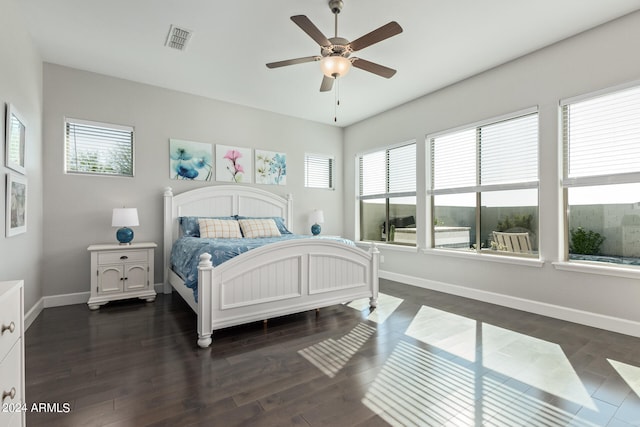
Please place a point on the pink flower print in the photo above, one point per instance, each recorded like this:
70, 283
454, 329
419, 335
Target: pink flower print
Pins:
236, 170
233, 155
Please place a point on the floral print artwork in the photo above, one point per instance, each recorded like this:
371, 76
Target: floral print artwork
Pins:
190, 160
271, 168
233, 164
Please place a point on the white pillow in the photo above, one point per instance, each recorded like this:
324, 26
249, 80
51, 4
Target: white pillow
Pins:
219, 228
259, 228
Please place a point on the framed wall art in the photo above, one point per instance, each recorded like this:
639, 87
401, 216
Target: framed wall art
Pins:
190, 160
233, 164
16, 205
15, 140
271, 167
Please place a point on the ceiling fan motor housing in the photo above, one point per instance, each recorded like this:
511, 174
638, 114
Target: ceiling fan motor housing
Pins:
336, 6
339, 47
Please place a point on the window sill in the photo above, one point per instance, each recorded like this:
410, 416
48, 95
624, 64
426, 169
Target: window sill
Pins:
591, 268
504, 259
385, 246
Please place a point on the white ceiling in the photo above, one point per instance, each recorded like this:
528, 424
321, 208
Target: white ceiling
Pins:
444, 41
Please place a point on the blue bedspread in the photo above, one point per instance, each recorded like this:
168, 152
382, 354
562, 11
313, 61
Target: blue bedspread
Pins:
186, 252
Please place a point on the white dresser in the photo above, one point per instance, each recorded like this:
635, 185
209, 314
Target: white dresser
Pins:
13, 410
121, 271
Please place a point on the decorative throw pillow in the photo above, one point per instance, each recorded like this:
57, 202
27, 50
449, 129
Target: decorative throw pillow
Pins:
219, 228
278, 219
259, 228
190, 227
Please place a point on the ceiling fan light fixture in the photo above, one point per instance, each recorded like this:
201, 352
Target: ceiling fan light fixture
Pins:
335, 66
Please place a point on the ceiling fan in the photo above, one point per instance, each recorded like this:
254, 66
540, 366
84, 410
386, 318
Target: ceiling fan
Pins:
335, 52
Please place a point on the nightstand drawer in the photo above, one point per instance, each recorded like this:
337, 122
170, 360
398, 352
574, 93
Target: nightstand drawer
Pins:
10, 323
11, 385
120, 257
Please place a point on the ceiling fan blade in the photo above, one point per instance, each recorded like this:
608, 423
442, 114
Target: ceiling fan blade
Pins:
293, 61
327, 84
389, 30
374, 68
307, 26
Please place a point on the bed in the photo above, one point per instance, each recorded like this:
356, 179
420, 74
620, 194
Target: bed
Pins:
289, 276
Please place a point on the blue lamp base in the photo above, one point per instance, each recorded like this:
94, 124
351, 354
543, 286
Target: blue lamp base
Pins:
124, 235
315, 229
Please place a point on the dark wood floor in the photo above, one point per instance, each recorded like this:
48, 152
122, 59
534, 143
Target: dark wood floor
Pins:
422, 358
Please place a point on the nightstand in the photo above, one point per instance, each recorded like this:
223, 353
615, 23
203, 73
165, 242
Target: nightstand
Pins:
120, 272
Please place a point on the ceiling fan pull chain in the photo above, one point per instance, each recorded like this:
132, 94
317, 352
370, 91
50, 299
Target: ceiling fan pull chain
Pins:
337, 101
335, 105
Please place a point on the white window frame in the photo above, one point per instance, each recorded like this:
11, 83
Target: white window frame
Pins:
107, 126
386, 195
601, 268
330, 170
536, 261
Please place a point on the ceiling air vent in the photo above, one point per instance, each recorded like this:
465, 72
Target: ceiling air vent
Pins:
178, 38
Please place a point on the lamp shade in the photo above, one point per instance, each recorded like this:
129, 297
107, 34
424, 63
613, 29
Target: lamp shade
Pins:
335, 66
316, 217
125, 217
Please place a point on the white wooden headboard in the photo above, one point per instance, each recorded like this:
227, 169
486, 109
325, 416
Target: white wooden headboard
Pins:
220, 200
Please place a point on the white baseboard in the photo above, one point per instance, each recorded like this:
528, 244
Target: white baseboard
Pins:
64, 299
33, 313
614, 324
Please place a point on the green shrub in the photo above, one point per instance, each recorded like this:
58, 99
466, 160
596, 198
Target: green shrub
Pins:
585, 242
515, 221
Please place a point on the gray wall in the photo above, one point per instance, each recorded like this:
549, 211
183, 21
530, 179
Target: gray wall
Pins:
600, 58
78, 208
21, 85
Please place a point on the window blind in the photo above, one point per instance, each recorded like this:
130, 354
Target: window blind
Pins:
373, 168
602, 137
98, 148
388, 173
318, 171
494, 156
401, 170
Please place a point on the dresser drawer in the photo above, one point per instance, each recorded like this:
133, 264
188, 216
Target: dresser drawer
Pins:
10, 323
120, 257
10, 380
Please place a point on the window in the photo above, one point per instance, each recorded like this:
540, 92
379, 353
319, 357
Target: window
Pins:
98, 148
601, 179
387, 195
484, 186
318, 171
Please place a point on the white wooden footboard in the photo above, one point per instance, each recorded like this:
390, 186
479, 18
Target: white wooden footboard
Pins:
282, 278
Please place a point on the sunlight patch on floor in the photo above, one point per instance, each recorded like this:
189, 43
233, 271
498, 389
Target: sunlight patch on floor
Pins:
330, 356
535, 362
450, 332
629, 373
387, 304
541, 364
418, 388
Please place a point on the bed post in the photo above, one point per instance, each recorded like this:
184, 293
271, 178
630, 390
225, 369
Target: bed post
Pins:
290, 211
375, 285
205, 279
168, 233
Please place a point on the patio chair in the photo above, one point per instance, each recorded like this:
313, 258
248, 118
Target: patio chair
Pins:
513, 242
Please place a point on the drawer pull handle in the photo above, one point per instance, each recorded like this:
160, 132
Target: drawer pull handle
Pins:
124, 257
11, 394
10, 328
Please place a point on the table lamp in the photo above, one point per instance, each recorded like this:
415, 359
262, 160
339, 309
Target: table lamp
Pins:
316, 218
124, 218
